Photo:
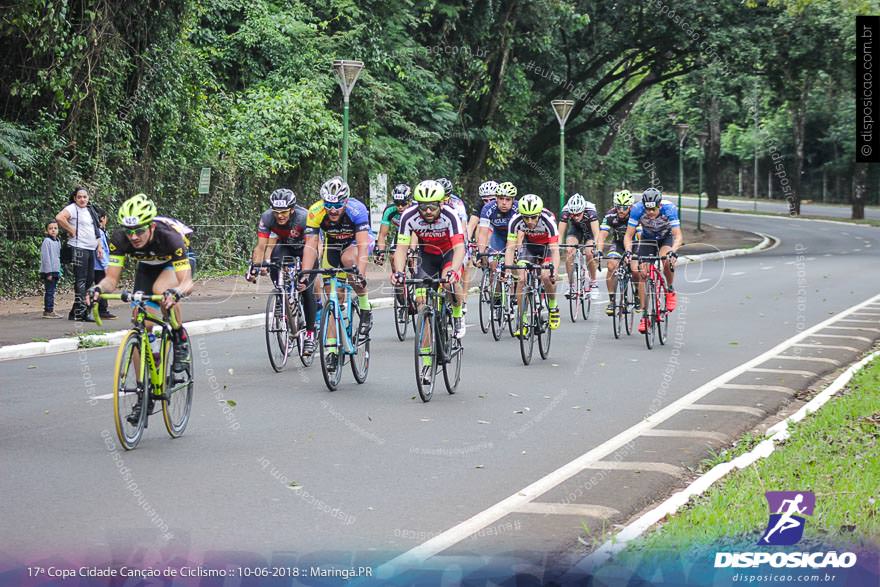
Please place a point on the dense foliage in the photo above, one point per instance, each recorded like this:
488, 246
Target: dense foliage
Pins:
125, 97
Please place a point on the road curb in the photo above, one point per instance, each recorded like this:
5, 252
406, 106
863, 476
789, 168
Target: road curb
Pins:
786, 216
214, 325
774, 435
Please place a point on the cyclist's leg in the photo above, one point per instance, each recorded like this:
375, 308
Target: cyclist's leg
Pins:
349, 257
429, 266
665, 247
332, 258
570, 239
588, 243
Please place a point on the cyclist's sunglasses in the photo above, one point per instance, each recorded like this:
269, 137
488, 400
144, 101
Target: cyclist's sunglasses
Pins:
622, 207
281, 210
429, 206
137, 231
531, 216
334, 205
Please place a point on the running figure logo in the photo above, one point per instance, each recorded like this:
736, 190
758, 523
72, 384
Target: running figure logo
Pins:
786, 525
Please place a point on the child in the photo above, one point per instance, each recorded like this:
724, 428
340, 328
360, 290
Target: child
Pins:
50, 268
102, 261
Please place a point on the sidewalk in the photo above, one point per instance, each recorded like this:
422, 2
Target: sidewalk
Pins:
221, 297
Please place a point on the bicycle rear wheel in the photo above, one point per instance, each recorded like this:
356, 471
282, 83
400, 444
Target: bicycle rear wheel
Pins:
574, 292
649, 308
525, 316
299, 327
425, 350
277, 332
498, 308
360, 362
662, 314
486, 295
401, 314
331, 378
178, 391
542, 323
129, 394
618, 308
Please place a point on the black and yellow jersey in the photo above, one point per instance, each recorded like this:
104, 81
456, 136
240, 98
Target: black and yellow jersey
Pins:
169, 244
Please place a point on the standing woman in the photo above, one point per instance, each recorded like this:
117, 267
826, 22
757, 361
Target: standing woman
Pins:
79, 221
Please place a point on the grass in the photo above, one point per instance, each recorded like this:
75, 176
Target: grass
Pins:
835, 453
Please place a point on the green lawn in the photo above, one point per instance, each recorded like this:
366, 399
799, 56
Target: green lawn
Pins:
835, 453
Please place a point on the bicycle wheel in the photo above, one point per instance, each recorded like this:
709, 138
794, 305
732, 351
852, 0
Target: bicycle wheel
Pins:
510, 306
618, 308
298, 315
574, 292
452, 355
425, 350
178, 391
525, 316
631, 291
498, 309
331, 378
401, 314
277, 332
648, 311
360, 362
542, 323
662, 315
486, 295
586, 296
128, 392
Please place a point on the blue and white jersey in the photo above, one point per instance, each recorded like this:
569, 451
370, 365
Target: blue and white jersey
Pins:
496, 220
658, 227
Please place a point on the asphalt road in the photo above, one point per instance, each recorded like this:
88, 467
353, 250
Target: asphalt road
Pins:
379, 472
781, 207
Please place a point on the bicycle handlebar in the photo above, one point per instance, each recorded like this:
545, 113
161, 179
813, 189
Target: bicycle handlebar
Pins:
138, 297
353, 270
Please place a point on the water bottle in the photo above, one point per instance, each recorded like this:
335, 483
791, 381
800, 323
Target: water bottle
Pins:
155, 346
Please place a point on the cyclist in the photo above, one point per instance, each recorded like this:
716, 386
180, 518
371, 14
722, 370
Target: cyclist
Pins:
579, 224
435, 230
613, 226
488, 191
494, 220
282, 229
532, 235
659, 221
461, 210
159, 244
348, 240
401, 197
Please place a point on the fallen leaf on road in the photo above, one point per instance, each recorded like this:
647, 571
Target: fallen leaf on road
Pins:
294, 485
510, 393
32, 366
480, 467
231, 403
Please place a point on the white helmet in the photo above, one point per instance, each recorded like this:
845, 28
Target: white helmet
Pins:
576, 204
488, 189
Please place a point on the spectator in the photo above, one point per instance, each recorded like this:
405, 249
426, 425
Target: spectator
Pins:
50, 268
101, 261
79, 221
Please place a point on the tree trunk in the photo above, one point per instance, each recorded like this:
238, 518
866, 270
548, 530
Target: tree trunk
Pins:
860, 193
799, 116
713, 154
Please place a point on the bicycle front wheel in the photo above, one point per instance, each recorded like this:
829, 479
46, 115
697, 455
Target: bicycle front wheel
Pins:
498, 308
542, 322
332, 373
178, 391
574, 290
130, 389
662, 314
618, 307
277, 332
401, 313
486, 297
360, 362
454, 352
649, 312
425, 353
586, 296
526, 315
631, 293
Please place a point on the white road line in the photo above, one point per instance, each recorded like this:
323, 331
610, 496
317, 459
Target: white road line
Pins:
813, 359
707, 434
857, 328
779, 388
724, 408
568, 509
704, 280
637, 466
767, 268
803, 373
108, 396
860, 321
737, 273
867, 314
828, 346
415, 556
864, 338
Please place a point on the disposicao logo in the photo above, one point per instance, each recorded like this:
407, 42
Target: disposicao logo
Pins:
784, 528
786, 524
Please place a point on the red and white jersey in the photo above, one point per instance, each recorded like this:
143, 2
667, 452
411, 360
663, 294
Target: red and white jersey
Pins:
437, 237
545, 231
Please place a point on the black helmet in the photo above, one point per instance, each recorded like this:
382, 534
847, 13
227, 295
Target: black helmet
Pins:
282, 199
401, 193
651, 197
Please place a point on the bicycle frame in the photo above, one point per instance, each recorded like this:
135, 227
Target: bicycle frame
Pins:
332, 303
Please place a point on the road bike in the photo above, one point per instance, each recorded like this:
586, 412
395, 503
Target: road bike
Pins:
404, 300
285, 316
143, 377
435, 345
579, 298
654, 305
533, 317
624, 303
496, 302
351, 342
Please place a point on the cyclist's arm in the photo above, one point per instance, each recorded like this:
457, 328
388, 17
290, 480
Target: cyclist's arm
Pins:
383, 236
677, 238
473, 221
261, 251
514, 240
483, 238
628, 238
594, 227
458, 250
404, 243
563, 227
604, 229
310, 251
185, 282
554, 254
111, 277
362, 238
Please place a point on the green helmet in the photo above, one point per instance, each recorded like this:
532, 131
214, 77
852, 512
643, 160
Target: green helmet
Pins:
623, 198
429, 191
530, 205
507, 189
136, 211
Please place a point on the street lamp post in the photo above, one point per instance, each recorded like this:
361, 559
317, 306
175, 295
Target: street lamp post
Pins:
347, 72
681, 129
562, 108
701, 140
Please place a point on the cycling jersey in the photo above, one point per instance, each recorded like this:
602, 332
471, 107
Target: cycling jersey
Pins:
292, 232
655, 228
354, 219
459, 207
435, 238
544, 233
614, 225
496, 220
583, 226
391, 216
167, 247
